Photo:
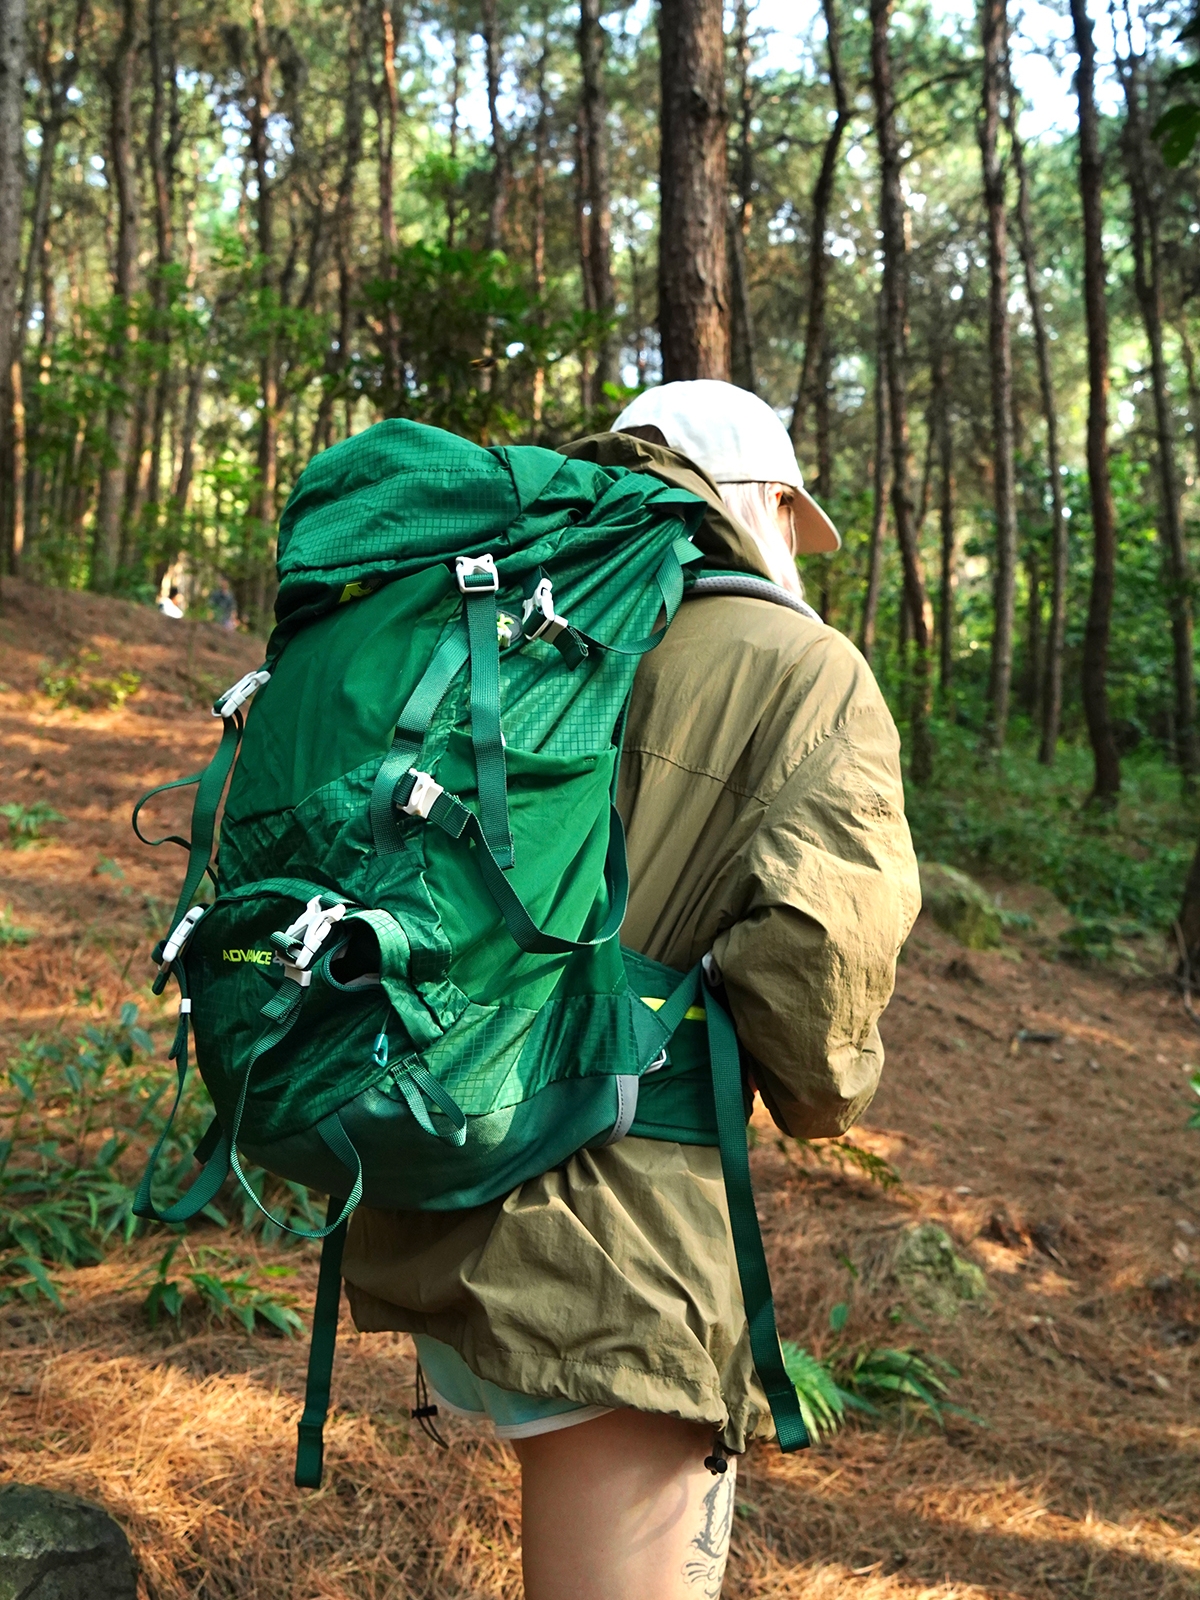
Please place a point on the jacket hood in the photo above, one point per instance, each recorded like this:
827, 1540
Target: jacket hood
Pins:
720, 536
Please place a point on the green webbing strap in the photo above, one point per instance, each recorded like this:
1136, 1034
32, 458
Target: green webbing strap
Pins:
310, 1446
486, 737
281, 1012
669, 578
458, 820
204, 811
167, 838
213, 1155
743, 1221
412, 1079
445, 664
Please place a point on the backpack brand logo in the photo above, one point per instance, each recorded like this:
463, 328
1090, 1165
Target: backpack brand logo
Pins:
258, 958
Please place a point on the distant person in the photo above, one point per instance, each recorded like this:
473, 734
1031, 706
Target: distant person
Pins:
224, 605
169, 605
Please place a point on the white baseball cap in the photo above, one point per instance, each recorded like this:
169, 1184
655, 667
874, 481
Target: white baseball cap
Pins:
735, 438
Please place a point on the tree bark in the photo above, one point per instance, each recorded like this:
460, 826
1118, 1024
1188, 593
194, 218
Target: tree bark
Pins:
119, 74
501, 157
583, 235
1147, 268
1107, 780
337, 361
1052, 668
165, 139
741, 332
879, 474
945, 451
994, 29
387, 117
538, 243
818, 257
693, 295
593, 115
895, 290
262, 505
12, 168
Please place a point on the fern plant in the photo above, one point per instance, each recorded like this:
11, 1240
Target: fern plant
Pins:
222, 1297
864, 1380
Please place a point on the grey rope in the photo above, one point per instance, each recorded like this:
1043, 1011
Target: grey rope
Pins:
754, 589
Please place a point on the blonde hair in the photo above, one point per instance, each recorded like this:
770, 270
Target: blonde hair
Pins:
756, 507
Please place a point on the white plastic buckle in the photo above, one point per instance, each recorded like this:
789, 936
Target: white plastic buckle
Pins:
309, 931
295, 972
183, 932
425, 793
473, 567
542, 599
244, 689
185, 1008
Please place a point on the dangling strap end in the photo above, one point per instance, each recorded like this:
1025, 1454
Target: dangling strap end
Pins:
310, 1454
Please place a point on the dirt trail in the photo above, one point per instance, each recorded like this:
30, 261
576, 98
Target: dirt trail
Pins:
1060, 1166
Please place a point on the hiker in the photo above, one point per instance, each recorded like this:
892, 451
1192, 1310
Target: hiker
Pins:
224, 606
169, 605
594, 1315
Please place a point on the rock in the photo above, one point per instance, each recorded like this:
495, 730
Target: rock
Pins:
55, 1546
940, 1281
958, 904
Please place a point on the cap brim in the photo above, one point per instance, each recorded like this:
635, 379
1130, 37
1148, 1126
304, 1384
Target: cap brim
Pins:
813, 532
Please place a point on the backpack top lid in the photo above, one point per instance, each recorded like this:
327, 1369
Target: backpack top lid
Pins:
401, 497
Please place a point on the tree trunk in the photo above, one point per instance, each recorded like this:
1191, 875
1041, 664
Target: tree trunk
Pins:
387, 116
262, 505
994, 28
1107, 781
583, 234
538, 250
741, 329
501, 160
12, 168
119, 73
895, 289
337, 361
165, 138
455, 97
1147, 265
593, 114
1052, 668
1034, 654
693, 296
882, 453
818, 258
945, 450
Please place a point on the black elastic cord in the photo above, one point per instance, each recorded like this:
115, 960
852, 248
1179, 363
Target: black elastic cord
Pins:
424, 1411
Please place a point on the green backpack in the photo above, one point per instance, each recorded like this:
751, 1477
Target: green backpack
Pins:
408, 989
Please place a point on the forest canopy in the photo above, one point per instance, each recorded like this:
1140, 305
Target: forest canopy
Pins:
242, 233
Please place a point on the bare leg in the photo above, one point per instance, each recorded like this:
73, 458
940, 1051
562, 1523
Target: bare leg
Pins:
623, 1508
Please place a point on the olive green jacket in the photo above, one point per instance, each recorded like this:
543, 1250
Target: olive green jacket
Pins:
761, 790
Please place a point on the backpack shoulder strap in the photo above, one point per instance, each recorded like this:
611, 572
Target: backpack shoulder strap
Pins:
754, 588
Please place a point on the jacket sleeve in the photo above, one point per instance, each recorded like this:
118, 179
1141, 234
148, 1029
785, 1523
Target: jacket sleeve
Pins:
826, 891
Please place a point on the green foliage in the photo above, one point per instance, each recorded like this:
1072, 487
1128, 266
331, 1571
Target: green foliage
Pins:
71, 683
1026, 823
86, 1111
63, 1197
25, 823
1194, 1119
845, 1154
822, 1400
1178, 129
11, 935
865, 1379
222, 1297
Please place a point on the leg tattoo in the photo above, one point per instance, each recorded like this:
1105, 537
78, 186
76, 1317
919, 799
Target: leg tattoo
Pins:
704, 1570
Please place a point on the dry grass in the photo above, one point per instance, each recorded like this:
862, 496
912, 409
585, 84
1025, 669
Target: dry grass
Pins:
1064, 1170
